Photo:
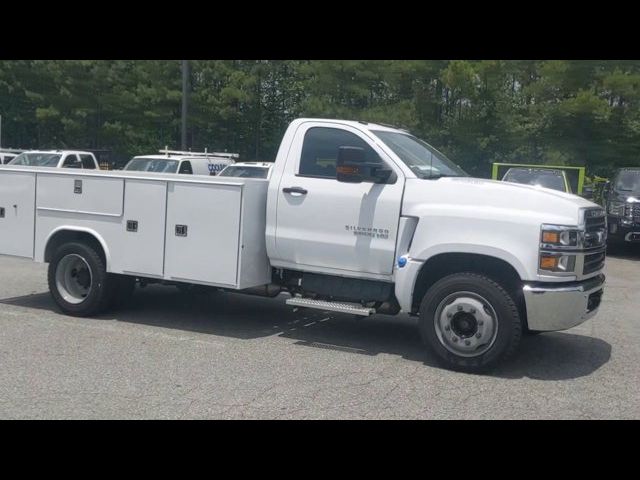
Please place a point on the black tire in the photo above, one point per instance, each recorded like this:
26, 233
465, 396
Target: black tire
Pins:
122, 291
506, 335
101, 283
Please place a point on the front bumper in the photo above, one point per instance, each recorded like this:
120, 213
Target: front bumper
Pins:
623, 230
553, 306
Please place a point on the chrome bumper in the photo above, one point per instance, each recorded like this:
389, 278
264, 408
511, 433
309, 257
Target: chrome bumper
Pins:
562, 306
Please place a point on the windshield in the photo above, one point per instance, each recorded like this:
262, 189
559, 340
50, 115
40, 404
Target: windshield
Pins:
628, 181
156, 165
245, 172
542, 178
424, 160
36, 159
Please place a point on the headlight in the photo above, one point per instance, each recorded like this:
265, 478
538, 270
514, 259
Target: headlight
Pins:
558, 236
557, 244
554, 262
617, 208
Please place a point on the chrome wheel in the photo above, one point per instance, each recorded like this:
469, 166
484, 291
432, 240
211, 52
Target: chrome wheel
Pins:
73, 278
466, 324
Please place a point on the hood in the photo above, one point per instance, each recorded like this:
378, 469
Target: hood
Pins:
490, 198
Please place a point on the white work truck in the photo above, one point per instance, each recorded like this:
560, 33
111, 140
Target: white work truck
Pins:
355, 217
57, 159
182, 162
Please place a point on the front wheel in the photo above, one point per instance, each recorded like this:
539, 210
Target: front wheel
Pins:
470, 321
78, 280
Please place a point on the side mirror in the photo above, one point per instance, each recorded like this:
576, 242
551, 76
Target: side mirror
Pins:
352, 167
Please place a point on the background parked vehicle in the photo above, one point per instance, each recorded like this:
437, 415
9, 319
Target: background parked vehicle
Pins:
248, 170
623, 206
181, 162
56, 159
567, 179
6, 155
547, 178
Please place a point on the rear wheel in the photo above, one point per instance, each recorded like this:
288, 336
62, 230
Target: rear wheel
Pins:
78, 280
470, 321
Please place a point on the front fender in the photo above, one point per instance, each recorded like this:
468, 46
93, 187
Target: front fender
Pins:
487, 250
406, 277
514, 242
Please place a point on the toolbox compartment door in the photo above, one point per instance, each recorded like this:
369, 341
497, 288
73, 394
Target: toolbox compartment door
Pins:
139, 247
17, 213
93, 195
203, 233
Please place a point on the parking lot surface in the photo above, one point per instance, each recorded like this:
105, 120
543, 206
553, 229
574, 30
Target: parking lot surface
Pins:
174, 355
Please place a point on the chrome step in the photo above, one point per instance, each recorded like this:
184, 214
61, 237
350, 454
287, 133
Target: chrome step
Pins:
352, 308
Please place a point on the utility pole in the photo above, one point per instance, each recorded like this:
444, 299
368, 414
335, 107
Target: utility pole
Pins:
185, 86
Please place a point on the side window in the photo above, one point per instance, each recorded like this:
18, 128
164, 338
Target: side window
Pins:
87, 162
185, 167
320, 151
71, 162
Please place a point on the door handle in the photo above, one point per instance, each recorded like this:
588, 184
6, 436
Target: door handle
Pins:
296, 190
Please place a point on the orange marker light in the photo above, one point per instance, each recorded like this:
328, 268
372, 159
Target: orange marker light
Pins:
548, 263
550, 237
347, 170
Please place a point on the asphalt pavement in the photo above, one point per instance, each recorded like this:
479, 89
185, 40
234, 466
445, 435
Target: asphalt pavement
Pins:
174, 355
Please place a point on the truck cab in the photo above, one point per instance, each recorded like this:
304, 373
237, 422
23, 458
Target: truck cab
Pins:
354, 200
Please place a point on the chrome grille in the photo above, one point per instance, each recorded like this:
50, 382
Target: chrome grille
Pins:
595, 228
594, 219
593, 262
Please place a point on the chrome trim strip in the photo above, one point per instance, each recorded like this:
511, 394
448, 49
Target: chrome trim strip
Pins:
65, 210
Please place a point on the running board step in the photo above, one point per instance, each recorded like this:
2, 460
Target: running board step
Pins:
352, 308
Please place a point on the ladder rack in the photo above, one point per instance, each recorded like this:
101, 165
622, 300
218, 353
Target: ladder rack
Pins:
168, 152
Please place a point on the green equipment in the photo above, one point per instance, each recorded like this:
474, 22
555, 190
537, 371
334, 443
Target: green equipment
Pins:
574, 177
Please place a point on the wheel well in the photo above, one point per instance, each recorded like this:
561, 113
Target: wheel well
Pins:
67, 236
445, 264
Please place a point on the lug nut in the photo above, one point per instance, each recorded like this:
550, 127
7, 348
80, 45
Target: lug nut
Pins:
480, 323
455, 339
447, 328
478, 335
449, 315
459, 308
473, 310
467, 342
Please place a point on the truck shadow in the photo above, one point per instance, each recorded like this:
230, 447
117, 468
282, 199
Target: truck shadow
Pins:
624, 251
549, 356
